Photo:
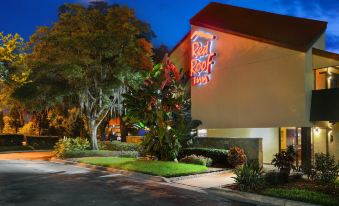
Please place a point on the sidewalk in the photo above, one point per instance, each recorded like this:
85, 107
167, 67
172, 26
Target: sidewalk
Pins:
27, 155
208, 180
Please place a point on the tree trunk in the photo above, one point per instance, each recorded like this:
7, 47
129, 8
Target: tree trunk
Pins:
93, 128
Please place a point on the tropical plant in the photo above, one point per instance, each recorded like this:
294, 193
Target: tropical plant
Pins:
158, 104
236, 156
284, 160
249, 177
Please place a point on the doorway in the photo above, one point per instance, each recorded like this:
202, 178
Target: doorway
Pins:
291, 136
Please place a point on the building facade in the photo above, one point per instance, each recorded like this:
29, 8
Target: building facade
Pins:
256, 74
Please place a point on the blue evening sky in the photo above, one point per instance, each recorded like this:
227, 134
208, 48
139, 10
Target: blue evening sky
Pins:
169, 18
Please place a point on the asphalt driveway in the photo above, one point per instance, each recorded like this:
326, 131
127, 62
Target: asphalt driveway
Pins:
37, 182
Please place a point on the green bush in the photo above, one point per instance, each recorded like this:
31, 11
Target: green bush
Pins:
100, 153
326, 169
70, 145
276, 178
11, 139
249, 177
197, 160
42, 142
218, 156
302, 195
308, 169
236, 156
119, 146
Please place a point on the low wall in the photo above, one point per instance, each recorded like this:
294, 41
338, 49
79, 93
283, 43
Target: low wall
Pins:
251, 146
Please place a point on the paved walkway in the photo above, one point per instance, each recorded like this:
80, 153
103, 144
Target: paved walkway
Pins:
209, 180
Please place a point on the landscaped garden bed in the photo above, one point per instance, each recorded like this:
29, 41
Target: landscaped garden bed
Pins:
316, 183
158, 168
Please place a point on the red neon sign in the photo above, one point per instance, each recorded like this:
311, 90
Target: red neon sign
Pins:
202, 57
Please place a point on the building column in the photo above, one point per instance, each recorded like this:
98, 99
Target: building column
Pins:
306, 146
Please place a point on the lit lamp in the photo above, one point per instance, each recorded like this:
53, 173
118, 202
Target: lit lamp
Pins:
316, 131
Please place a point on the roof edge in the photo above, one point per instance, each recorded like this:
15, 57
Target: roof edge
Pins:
324, 53
251, 37
179, 43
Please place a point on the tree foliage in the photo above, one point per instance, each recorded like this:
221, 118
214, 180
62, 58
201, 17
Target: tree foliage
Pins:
84, 58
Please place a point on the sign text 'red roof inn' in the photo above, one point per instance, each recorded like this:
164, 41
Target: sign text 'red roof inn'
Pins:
202, 57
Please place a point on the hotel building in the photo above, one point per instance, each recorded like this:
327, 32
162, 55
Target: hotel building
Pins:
256, 74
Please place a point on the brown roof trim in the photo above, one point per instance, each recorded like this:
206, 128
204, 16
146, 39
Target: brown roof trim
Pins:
179, 43
326, 54
285, 31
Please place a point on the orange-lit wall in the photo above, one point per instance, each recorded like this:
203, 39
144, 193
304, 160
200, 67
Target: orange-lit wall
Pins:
253, 85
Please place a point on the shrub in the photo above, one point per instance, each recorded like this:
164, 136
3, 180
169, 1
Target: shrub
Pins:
119, 146
11, 139
326, 168
197, 160
249, 177
218, 156
308, 169
100, 153
276, 178
236, 156
67, 145
284, 160
42, 142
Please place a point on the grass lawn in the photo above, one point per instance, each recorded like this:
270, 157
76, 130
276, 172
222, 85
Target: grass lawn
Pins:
14, 148
159, 168
302, 195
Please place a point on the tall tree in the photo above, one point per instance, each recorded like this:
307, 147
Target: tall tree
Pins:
16, 117
85, 57
13, 70
2, 122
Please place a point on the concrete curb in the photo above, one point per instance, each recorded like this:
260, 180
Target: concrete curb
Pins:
112, 170
256, 199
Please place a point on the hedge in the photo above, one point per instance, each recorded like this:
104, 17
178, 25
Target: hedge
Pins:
11, 139
42, 142
218, 156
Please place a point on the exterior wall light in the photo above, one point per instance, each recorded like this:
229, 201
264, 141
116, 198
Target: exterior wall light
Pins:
316, 131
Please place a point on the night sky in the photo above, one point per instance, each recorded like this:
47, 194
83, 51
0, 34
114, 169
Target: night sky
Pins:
169, 19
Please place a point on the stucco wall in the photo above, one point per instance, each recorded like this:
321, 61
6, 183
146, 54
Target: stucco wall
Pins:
253, 85
333, 147
321, 62
182, 54
270, 138
319, 141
